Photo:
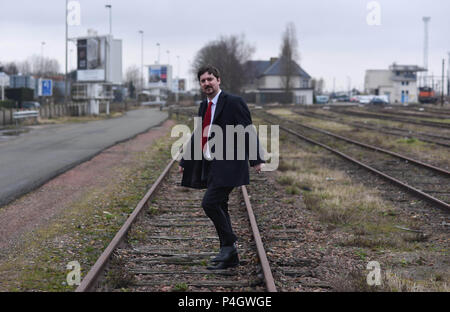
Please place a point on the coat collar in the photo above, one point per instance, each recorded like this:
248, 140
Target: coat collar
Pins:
220, 104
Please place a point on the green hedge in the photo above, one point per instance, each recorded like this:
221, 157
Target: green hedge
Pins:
7, 104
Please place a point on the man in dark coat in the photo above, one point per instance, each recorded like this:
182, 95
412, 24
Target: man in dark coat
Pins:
219, 168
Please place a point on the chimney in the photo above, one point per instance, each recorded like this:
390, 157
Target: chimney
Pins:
273, 60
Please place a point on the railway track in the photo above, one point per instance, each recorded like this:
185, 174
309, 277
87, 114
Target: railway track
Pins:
167, 242
423, 180
426, 137
389, 117
410, 113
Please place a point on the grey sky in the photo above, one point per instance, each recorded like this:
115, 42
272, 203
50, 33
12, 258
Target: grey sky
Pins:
334, 37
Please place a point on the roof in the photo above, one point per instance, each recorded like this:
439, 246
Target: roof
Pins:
258, 69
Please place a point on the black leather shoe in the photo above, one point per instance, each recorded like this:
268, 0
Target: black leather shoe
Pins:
225, 253
232, 262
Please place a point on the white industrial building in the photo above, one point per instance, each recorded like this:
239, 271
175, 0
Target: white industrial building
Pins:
99, 67
398, 83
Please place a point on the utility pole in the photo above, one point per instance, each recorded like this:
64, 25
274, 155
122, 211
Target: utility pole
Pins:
142, 59
109, 6
65, 76
448, 75
426, 20
158, 45
442, 89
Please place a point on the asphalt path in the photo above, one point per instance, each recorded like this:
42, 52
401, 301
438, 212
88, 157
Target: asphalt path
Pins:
31, 159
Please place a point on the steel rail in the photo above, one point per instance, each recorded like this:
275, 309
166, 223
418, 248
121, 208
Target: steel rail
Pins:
390, 117
89, 281
268, 277
418, 135
379, 149
408, 187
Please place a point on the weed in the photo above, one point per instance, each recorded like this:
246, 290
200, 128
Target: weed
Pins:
180, 287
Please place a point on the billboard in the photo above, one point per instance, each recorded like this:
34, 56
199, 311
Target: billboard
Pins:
181, 84
91, 59
157, 74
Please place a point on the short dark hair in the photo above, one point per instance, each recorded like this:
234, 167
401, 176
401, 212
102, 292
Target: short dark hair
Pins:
210, 69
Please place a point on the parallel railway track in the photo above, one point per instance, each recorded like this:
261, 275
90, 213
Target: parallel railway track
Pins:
426, 137
390, 117
423, 180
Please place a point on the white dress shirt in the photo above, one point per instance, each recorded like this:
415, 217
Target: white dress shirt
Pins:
213, 110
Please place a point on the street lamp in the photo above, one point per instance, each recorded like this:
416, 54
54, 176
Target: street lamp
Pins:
168, 57
109, 6
42, 57
158, 45
142, 59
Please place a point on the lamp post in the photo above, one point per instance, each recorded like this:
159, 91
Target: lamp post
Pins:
65, 76
142, 59
158, 45
109, 6
42, 57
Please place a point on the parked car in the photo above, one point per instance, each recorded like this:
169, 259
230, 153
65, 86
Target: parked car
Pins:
343, 98
322, 99
31, 105
364, 99
378, 102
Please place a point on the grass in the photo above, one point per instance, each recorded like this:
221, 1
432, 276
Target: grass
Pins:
368, 221
84, 230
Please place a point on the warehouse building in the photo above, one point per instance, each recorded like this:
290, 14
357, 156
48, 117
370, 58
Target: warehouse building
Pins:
398, 83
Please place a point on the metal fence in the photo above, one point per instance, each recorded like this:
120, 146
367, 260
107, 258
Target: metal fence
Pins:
60, 110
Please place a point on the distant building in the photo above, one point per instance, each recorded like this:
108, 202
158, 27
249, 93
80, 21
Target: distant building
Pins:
4, 83
399, 83
266, 83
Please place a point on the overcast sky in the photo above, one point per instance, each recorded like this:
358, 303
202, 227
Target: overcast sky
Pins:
335, 38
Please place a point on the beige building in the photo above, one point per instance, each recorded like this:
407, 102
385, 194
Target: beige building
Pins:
399, 83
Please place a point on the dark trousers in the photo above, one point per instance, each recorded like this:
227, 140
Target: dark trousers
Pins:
215, 205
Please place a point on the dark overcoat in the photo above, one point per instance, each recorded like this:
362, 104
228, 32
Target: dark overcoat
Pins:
225, 172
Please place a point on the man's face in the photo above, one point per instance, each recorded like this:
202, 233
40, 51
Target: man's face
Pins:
209, 84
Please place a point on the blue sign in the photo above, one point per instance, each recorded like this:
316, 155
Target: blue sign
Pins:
46, 87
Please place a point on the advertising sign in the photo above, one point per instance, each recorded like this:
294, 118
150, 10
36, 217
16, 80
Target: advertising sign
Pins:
181, 84
157, 76
91, 59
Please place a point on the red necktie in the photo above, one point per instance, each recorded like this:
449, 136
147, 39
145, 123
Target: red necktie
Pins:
206, 123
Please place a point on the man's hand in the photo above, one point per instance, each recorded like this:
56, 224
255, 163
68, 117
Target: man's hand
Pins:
180, 169
258, 168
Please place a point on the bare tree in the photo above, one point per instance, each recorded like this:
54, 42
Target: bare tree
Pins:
10, 68
39, 66
288, 58
133, 75
133, 79
318, 85
229, 55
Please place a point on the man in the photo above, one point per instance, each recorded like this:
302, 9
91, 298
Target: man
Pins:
220, 175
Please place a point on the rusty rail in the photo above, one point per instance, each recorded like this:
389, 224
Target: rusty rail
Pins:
268, 277
90, 280
411, 189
